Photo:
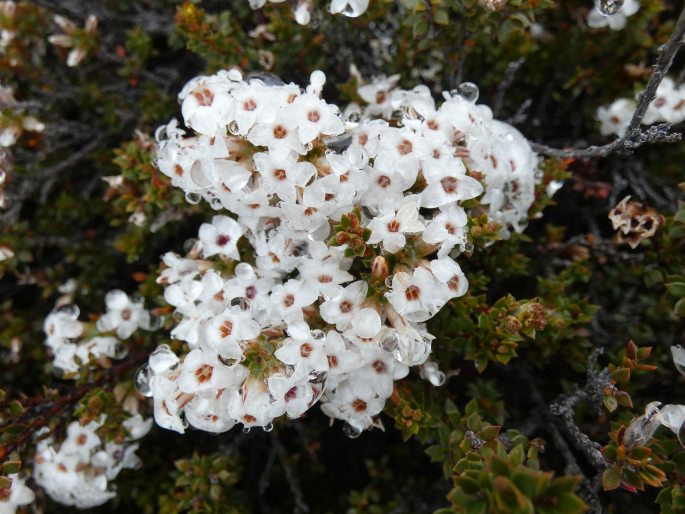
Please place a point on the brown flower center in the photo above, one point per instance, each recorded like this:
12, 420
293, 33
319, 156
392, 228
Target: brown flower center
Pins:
412, 293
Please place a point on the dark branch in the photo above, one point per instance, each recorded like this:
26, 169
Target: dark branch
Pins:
634, 136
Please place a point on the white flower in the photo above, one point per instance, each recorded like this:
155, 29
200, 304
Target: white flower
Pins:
417, 296
123, 315
341, 308
282, 173
615, 118
447, 229
392, 227
19, 495
448, 183
616, 21
351, 8
312, 116
220, 237
206, 104
202, 371
302, 350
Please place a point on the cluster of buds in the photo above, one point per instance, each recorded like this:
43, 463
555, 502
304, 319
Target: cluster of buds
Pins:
633, 222
339, 246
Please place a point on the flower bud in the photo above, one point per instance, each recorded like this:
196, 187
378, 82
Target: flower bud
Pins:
379, 268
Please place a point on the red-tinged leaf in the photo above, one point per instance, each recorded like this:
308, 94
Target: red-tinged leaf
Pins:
631, 350
644, 353
628, 488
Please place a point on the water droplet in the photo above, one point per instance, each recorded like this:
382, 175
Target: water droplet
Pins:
289, 369
412, 351
355, 117
216, 204
268, 427
339, 144
389, 341
350, 431
430, 371
70, 310
189, 244
538, 175
163, 359
318, 377
269, 79
227, 361
246, 430
193, 198
678, 355
233, 127
318, 335
468, 91
609, 7
317, 392
388, 281
308, 147
143, 380
156, 322
120, 350
242, 303
468, 247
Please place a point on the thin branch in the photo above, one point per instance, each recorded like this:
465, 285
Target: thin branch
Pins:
634, 136
592, 391
293, 483
512, 68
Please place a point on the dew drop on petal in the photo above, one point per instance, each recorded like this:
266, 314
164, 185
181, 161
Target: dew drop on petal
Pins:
355, 117
189, 244
468, 91
163, 359
242, 303
70, 310
268, 427
609, 7
216, 204
143, 380
227, 361
233, 128
318, 335
339, 144
678, 354
350, 431
388, 281
193, 198
389, 341
246, 430
318, 377
120, 350
468, 247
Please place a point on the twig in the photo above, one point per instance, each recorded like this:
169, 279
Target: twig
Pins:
593, 391
634, 136
298, 497
504, 85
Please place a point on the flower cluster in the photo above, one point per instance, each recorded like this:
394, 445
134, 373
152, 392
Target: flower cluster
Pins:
302, 9
667, 106
78, 472
75, 343
612, 13
340, 249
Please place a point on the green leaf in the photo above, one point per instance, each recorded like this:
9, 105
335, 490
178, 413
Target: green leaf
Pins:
677, 289
11, 467
610, 403
611, 478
